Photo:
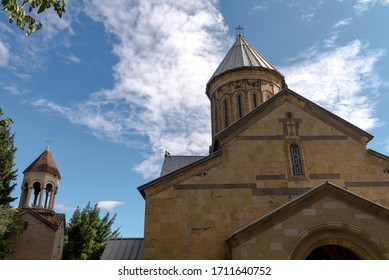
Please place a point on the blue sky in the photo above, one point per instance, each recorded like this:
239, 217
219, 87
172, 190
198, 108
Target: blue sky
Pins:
116, 83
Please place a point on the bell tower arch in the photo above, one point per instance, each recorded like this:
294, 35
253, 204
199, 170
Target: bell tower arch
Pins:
40, 183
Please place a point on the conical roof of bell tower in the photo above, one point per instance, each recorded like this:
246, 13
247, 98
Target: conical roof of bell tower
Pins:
242, 54
44, 163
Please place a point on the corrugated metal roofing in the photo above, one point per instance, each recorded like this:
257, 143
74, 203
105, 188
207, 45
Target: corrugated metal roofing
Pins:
44, 163
242, 54
172, 163
123, 249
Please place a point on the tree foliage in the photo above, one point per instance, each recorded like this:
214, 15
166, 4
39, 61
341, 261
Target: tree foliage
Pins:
87, 234
7, 154
4, 121
9, 222
21, 13
9, 226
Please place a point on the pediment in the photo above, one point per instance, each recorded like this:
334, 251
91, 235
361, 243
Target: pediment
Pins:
53, 220
324, 204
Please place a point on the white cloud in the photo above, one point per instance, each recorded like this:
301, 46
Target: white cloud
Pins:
63, 207
167, 51
343, 22
385, 145
53, 25
14, 89
73, 58
362, 6
4, 54
109, 205
259, 8
342, 80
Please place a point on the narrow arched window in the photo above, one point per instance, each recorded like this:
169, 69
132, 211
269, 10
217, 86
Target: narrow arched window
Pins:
240, 107
216, 119
225, 112
295, 156
37, 190
255, 100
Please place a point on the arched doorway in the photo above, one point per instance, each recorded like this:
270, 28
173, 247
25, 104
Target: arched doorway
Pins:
335, 241
332, 252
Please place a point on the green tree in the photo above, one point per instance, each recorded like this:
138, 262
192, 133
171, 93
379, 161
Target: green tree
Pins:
9, 226
87, 234
9, 222
21, 14
7, 155
4, 121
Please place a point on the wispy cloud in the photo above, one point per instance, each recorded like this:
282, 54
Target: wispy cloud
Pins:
362, 6
167, 52
385, 145
14, 89
264, 6
339, 80
343, 22
64, 207
73, 58
4, 54
307, 9
53, 25
109, 205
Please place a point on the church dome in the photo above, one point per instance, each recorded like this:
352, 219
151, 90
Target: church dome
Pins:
242, 54
243, 81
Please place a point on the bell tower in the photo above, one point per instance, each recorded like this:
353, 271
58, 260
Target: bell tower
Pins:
43, 231
243, 80
40, 183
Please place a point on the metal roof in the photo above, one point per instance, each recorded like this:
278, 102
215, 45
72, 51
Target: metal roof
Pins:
242, 54
172, 163
123, 249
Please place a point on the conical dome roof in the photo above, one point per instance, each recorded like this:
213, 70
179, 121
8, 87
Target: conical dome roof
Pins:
44, 163
242, 54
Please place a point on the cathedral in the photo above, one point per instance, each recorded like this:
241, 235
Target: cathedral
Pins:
284, 179
43, 229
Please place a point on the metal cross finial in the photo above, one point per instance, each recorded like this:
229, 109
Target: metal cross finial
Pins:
239, 31
48, 143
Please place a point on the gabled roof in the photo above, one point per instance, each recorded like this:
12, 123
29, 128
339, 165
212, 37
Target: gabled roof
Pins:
123, 249
176, 172
172, 163
305, 104
52, 219
303, 201
44, 163
242, 54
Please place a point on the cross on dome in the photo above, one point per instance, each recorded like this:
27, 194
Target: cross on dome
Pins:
239, 31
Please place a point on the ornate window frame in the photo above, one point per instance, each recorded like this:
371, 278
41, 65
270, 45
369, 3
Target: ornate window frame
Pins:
301, 174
